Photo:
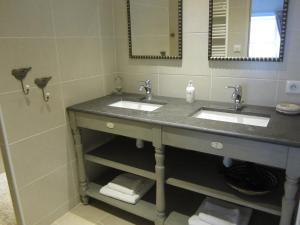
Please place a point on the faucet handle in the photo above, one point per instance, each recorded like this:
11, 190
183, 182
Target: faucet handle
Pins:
233, 87
237, 88
147, 83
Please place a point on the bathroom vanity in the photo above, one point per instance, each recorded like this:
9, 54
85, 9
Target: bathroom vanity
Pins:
182, 154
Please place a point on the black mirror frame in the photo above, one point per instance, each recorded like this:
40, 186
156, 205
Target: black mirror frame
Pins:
256, 59
154, 56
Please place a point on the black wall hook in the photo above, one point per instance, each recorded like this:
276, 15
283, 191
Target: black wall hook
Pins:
20, 75
42, 84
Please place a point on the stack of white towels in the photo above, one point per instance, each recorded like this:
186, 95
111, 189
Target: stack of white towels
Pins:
217, 212
127, 187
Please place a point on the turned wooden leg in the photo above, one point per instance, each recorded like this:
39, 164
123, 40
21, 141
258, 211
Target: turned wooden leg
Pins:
289, 200
83, 185
160, 185
291, 186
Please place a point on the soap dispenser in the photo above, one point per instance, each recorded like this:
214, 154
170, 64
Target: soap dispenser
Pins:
190, 92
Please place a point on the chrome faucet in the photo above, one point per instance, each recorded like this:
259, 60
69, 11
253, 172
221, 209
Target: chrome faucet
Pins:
237, 96
148, 88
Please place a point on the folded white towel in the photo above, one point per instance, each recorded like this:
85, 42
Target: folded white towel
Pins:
133, 199
212, 220
126, 183
195, 220
216, 209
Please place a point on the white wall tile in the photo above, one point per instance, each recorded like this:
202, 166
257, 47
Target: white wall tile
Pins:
106, 18
108, 50
175, 85
255, 92
25, 18
120, 18
250, 70
290, 67
75, 17
26, 116
39, 53
132, 82
79, 57
82, 90
47, 194
39, 155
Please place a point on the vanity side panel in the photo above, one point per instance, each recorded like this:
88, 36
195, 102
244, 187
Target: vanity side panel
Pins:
247, 150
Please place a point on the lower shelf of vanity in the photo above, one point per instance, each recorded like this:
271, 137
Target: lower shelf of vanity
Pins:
181, 204
201, 173
186, 170
144, 208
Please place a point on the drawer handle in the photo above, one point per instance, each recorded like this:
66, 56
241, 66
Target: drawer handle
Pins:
110, 125
217, 145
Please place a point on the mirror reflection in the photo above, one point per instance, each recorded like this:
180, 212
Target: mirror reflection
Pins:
247, 28
154, 28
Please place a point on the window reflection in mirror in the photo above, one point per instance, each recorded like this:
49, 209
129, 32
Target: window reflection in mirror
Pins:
154, 28
247, 28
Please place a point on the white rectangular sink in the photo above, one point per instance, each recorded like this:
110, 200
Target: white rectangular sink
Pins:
148, 107
260, 121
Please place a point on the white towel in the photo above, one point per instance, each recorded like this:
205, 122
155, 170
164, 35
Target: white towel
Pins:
126, 183
195, 220
214, 209
132, 199
212, 220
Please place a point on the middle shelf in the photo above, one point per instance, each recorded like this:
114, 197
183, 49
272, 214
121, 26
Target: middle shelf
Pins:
189, 170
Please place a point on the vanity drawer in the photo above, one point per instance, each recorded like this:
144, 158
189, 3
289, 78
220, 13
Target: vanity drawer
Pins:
242, 149
117, 126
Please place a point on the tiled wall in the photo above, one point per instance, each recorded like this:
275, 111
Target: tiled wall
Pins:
69, 40
264, 83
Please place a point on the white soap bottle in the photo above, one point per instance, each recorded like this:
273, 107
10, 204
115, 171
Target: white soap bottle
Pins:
190, 92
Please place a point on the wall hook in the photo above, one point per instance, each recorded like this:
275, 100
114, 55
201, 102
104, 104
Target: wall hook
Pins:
20, 75
42, 84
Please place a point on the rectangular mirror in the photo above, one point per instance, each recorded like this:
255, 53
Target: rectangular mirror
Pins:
247, 30
155, 29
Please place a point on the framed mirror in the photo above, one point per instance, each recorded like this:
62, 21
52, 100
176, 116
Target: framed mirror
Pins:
155, 29
247, 30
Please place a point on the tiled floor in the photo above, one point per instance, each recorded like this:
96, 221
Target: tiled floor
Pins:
99, 214
7, 215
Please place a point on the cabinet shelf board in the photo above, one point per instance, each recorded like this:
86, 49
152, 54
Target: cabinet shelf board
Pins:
122, 154
201, 173
142, 208
258, 218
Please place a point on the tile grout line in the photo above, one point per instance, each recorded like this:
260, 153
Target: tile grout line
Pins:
83, 78
58, 61
114, 36
44, 176
37, 134
100, 47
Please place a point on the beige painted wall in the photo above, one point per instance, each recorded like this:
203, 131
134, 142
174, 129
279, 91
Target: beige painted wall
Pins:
264, 83
70, 40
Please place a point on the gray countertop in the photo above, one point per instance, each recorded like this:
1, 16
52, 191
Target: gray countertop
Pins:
282, 129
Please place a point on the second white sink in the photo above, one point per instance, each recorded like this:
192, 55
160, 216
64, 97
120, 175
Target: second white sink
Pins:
142, 106
260, 121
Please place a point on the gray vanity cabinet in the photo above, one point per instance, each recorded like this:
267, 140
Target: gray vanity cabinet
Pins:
161, 136
273, 155
127, 128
